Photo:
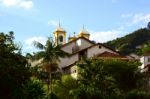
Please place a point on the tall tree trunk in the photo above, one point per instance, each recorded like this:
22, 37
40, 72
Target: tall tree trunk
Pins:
50, 82
49, 85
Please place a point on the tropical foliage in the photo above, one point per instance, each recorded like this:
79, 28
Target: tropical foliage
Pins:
65, 86
35, 89
50, 57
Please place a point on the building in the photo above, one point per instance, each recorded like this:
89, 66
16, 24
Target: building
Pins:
145, 60
79, 47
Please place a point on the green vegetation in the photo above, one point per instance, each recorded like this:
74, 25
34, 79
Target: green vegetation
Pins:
35, 89
109, 79
98, 78
50, 57
64, 87
131, 43
146, 49
14, 69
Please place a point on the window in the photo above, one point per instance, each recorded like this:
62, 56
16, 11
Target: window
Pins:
67, 71
61, 38
82, 54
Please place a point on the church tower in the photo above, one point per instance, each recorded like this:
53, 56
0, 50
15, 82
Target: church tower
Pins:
84, 33
59, 36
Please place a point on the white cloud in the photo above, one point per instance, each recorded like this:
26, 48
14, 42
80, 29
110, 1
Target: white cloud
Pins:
103, 36
53, 22
29, 42
26, 4
137, 18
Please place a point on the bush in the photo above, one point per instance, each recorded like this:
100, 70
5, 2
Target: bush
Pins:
35, 89
137, 94
51, 96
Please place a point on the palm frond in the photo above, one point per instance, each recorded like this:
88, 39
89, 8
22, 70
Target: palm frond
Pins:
38, 55
39, 45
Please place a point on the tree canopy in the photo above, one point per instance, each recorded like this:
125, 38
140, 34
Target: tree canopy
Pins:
50, 57
105, 79
131, 42
14, 69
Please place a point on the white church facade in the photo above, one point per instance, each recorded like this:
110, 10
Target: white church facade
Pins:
79, 47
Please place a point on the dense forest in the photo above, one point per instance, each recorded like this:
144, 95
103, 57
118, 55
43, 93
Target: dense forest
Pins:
131, 43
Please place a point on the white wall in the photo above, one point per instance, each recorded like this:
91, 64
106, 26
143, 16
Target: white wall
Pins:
90, 53
68, 60
81, 43
96, 50
84, 43
144, 61
68, 48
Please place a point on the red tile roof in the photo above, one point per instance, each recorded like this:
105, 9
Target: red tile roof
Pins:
110, 55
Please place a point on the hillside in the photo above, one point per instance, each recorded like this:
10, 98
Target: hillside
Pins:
132, 42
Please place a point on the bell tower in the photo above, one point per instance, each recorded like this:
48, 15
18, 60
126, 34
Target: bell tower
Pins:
59, 36
84, 33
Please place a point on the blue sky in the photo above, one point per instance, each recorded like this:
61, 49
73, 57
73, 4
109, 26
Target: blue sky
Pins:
104, 19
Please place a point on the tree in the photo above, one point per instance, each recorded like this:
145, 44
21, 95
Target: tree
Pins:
50, 58
131, 42
14, 69
107, 78
34, 89
146, 48
65, 86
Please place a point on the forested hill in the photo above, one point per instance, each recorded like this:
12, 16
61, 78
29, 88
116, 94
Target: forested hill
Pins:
132, 42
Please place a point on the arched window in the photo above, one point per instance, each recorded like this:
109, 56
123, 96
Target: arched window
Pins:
61, 38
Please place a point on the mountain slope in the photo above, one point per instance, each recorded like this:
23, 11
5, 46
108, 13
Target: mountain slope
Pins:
131, 42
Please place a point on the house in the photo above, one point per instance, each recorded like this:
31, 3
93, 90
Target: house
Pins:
80, 47
145, 60
133, 56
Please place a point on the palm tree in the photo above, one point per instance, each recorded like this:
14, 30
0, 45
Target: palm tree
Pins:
49, 58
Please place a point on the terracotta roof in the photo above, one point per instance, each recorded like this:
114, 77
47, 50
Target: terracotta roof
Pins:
147, 54
103, 55
92, 42
109, 54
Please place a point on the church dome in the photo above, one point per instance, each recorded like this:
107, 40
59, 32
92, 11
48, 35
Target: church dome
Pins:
84, 33
60, 29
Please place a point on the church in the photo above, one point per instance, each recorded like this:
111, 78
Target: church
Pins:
80, 46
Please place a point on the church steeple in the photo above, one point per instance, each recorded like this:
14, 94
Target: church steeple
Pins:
59, 35
84, 33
